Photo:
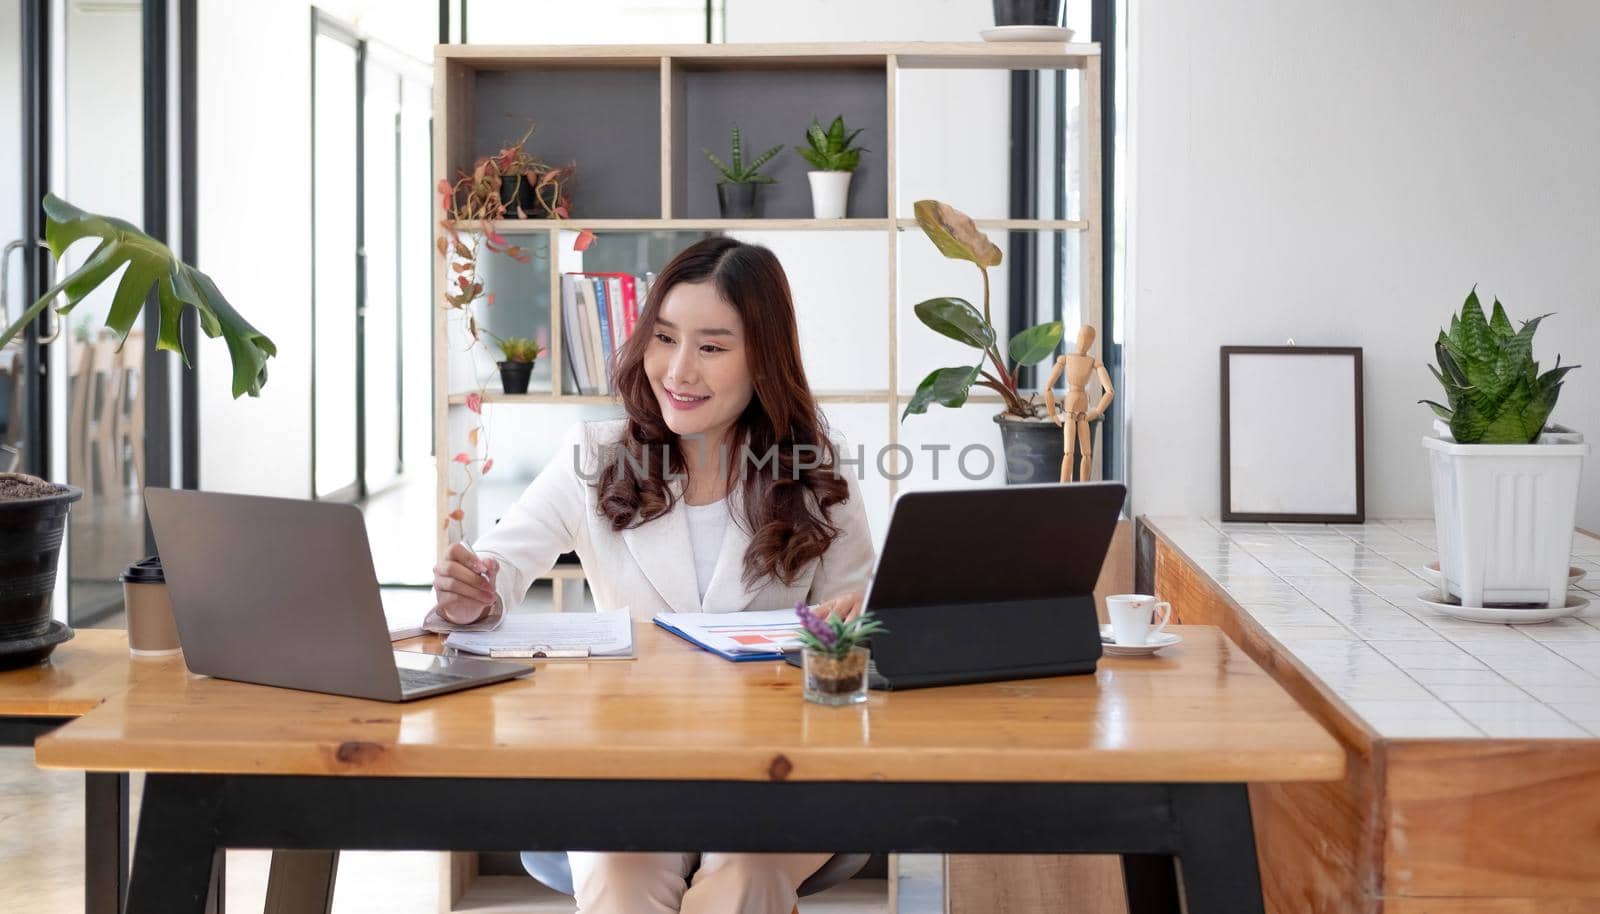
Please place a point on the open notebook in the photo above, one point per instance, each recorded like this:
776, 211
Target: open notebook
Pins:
737, 636
575, 635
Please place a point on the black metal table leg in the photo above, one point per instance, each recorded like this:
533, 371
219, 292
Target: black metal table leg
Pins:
174, 860
1151, 881
1217, 847
301, 882
105, 842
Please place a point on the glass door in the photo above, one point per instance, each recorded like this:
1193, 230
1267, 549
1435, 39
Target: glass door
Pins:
71, 399
22, 153
336, 244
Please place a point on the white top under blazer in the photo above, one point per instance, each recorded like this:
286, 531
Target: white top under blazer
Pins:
651, 568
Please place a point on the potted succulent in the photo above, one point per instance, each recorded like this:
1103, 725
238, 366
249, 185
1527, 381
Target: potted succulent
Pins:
736, 192
1032, 442
518, 355
33, 512
834, 159
1505, 485
834, 659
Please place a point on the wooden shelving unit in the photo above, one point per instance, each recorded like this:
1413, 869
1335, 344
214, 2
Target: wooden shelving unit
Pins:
656, 182
675, 99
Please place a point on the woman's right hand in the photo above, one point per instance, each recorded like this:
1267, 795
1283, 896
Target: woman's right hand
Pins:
463, 585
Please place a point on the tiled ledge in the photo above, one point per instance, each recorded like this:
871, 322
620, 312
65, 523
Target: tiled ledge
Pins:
1344, 600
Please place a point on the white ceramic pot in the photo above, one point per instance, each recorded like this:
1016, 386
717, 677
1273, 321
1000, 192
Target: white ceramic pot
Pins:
1504, 517
830, 192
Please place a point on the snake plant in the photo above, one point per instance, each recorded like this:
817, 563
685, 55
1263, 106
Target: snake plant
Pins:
1492, 383
741, 173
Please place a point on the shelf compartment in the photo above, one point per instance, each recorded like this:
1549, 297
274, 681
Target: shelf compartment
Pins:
773, 102
604, 118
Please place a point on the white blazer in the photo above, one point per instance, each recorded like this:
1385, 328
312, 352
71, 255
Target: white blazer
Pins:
650, 568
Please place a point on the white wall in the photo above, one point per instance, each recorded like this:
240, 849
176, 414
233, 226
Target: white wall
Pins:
1343, 173
254, 199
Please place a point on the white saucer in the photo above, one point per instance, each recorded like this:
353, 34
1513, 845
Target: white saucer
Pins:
1430, 572
1158, 641
1504, 615
1026, 33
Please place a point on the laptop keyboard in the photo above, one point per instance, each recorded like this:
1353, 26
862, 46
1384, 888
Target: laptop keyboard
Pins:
414, 680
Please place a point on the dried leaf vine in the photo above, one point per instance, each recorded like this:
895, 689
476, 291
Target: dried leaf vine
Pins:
511, 183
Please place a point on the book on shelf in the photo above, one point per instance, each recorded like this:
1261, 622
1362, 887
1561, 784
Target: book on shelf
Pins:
599, 311
572, 336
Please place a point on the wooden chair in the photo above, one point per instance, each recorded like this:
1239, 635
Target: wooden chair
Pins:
105, 421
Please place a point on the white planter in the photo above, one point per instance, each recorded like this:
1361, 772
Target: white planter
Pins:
830, 192
1504, 516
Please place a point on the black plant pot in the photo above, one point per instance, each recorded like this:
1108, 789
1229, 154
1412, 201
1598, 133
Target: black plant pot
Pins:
30, 545
1033, 450
737, 201
515, 192
1029, 12
514, 376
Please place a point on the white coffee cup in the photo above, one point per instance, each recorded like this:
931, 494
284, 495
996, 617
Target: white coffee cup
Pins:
1133, 617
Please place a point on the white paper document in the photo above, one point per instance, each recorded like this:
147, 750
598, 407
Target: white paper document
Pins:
538, 635
737, 635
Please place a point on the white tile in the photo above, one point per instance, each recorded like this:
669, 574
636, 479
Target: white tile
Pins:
1557, 672
1426, 729
1561, 630
1426, 655
1583, 713
1479, 676
1454, 692
1565, 694
1412, 719
1291, 636
1584, 653
1509, 720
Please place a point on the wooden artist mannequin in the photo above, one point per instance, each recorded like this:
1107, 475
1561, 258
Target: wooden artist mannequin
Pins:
1076, 414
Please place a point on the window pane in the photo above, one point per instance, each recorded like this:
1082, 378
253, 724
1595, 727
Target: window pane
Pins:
334, 221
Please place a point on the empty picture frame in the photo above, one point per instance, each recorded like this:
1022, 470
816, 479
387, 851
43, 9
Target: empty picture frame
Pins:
1292, 434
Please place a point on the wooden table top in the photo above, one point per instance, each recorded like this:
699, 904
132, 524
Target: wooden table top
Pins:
79, 675
1203, 711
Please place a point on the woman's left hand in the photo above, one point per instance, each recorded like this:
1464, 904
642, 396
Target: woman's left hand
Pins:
846, 606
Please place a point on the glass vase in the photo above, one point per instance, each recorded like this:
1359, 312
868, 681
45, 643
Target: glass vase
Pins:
831, 680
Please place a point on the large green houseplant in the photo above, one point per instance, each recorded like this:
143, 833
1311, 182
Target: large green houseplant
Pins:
1494, 458
33, 512
1032, 443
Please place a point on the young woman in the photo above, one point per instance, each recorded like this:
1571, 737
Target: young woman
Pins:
718, 492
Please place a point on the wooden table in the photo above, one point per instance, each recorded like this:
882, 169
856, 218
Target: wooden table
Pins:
35, 700
1425, 821
1148, 758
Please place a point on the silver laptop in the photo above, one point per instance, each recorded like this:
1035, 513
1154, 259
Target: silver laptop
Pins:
281, 592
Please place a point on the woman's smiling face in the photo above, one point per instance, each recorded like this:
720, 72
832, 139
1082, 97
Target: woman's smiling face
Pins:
697, 362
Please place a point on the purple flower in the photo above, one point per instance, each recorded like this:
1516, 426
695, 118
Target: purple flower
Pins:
818, 628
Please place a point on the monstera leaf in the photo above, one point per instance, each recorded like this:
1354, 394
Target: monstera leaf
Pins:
148, 262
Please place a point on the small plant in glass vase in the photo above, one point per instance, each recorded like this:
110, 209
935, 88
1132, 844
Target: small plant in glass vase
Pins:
736, 192
834, 160
516, 366
835, 656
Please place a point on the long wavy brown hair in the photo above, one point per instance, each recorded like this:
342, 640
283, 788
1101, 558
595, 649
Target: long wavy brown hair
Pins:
786, 506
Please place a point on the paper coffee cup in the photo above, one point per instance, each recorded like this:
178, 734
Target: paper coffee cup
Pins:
152, 631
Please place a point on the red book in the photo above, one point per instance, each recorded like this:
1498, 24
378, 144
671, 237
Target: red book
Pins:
630, 301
